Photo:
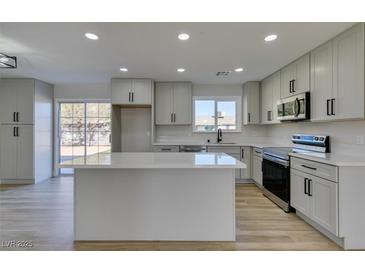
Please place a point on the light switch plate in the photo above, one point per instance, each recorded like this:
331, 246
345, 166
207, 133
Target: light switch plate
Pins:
360, 139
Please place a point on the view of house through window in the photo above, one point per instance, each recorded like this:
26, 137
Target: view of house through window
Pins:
84, 129
212, 113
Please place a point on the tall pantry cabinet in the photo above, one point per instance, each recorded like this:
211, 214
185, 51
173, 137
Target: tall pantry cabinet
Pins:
26, 127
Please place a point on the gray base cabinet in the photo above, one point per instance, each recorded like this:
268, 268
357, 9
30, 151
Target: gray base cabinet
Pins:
315, 197
257, 166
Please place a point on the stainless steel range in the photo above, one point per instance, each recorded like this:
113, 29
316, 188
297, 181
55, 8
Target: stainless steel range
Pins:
276, 166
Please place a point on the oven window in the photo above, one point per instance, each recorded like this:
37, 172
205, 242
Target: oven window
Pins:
276, 179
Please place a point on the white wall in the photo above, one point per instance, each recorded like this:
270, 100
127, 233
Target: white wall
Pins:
82, 91
342, 134
178, 133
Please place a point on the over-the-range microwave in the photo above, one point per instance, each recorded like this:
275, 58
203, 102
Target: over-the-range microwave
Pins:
295, 107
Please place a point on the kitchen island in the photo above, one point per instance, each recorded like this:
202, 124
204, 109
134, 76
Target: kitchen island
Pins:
154, 197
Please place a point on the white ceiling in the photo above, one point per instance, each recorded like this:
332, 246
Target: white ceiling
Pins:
60, 53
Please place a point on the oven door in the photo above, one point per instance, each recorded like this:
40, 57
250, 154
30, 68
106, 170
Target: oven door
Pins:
276, 178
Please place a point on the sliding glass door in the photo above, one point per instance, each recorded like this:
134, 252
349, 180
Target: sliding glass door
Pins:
84, 129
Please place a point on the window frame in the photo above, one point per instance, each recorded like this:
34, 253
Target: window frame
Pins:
216, 99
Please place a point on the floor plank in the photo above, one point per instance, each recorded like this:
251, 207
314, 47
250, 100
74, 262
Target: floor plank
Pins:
43, 215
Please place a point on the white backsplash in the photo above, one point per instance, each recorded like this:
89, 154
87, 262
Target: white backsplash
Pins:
184, 133
343, 135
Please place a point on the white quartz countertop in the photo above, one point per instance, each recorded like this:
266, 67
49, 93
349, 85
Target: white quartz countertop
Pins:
332, 158
148, 160
228, 144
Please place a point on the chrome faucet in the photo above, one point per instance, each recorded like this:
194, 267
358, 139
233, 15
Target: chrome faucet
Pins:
220, 136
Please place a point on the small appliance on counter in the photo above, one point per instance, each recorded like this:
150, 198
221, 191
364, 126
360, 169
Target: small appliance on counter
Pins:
295, 107
276, 166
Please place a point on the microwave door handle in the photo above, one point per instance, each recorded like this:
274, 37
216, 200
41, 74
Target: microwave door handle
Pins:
297, 104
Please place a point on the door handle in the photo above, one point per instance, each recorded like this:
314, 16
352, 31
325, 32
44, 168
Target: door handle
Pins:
305, 186
328, 107
309, 187
332, 106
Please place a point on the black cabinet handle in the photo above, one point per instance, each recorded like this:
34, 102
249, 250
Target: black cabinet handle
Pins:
129, 98
309, 187
328, 107
332, 106
17, 116
312, 168
17, 131
171, 119
242, 153
293, 85
290, 86
165, 149
305, 186
14, 131
174, 117
249, 117
132, 96
14, 120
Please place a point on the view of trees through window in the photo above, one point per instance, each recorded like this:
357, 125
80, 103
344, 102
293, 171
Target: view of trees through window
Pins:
85, 129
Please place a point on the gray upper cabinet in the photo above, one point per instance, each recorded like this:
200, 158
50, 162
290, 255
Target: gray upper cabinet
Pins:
16, 104
132, 91
270, 94
295, 77
251, 103
173, 103
337, 73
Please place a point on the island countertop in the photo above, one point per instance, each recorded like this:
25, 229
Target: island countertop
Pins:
149, 160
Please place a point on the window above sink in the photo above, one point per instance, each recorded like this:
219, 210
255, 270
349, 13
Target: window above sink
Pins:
213, 112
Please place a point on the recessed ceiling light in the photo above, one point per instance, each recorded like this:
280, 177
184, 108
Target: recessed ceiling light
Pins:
183, 36
180, 70
123, 69
91, 36
238, 69
271, 37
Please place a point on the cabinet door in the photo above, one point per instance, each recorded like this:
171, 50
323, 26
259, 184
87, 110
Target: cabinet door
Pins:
275, 78
246, 158
298, 197
142, 91
25, 155
8, 152
348, 64
301, 77
251, 103
266, 101
8, 100
324, 203
163, 103
257, 169
287, 75
25, 101
121, 91
321, 81
182, 97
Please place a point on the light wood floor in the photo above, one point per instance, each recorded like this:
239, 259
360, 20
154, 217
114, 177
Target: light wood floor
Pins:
43, 214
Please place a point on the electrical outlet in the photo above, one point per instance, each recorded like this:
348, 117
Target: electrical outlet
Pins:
360, 139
